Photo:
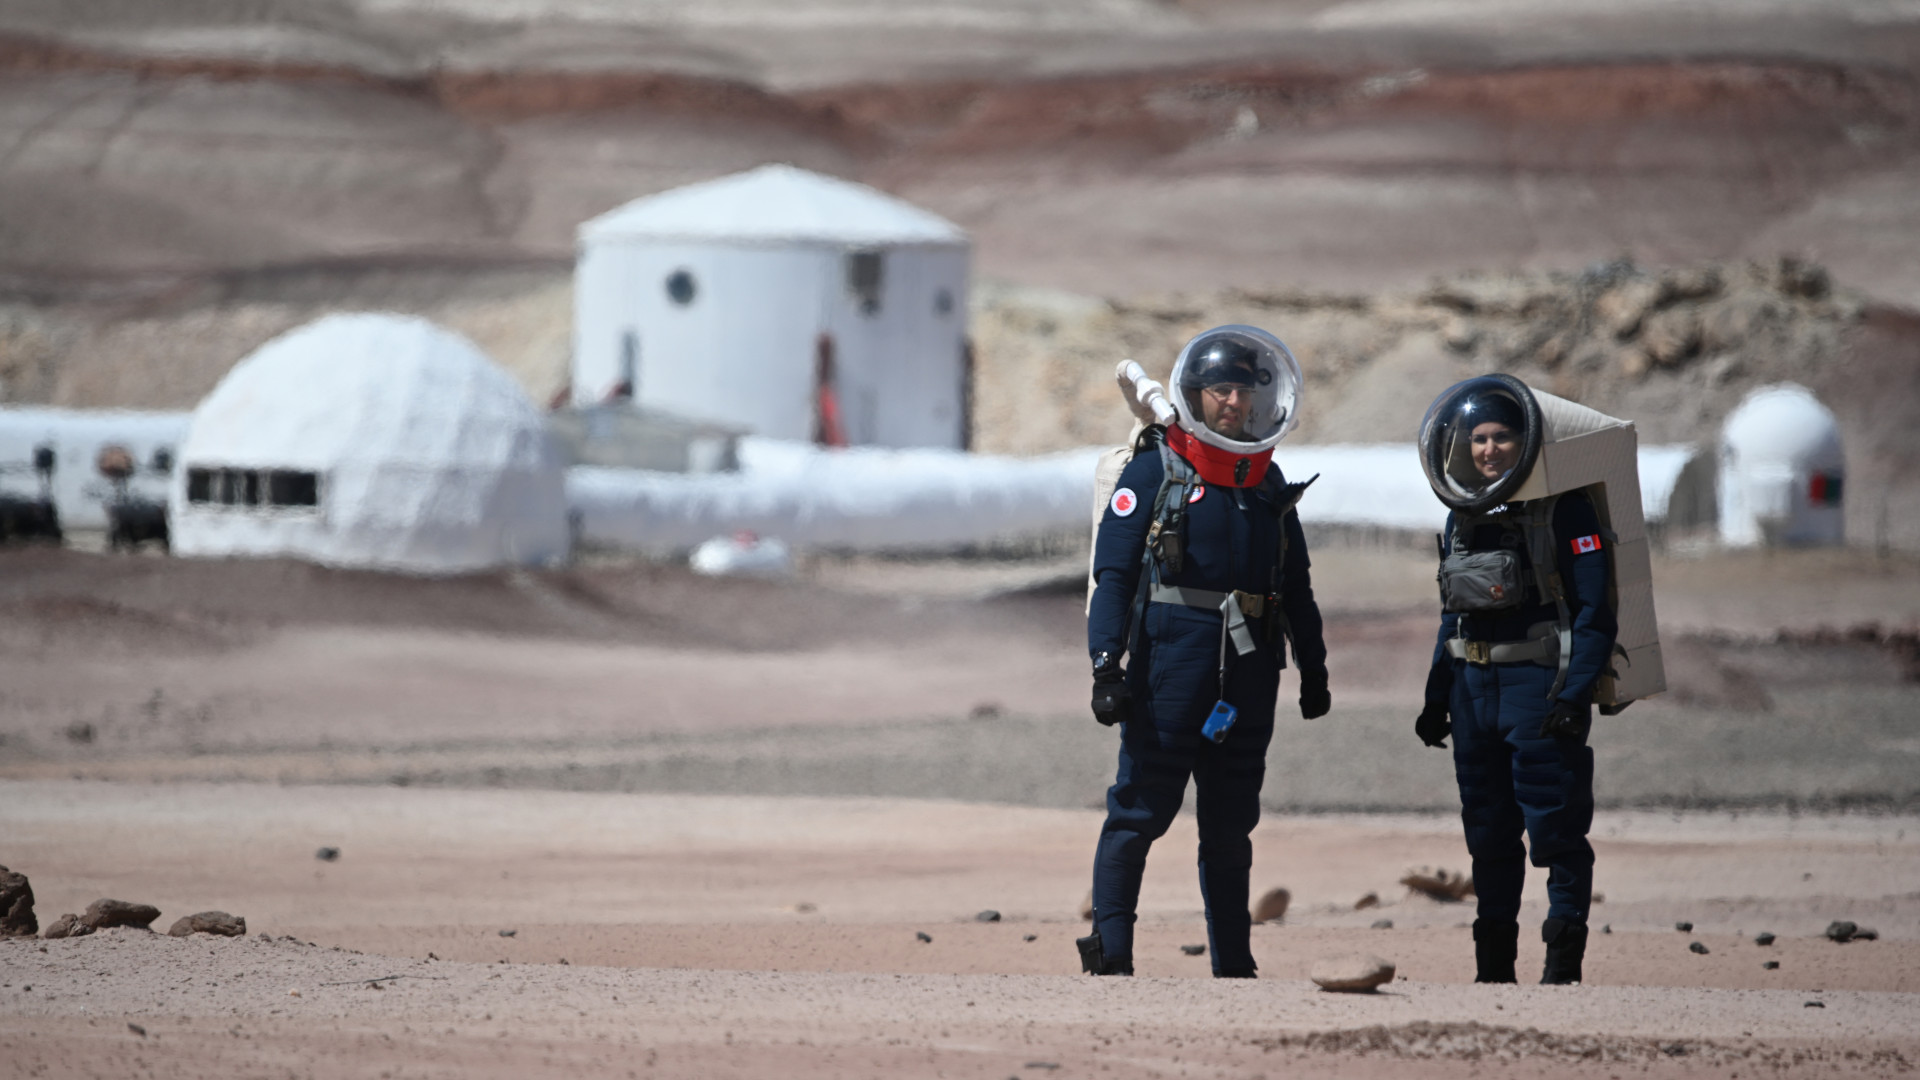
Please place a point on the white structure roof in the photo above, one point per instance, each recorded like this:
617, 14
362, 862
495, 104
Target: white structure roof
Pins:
1784, 424
773, 204
428, 457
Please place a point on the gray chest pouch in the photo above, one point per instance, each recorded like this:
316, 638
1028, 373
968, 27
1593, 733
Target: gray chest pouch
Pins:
1483, 581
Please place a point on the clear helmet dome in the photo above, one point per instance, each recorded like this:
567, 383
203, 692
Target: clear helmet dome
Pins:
1479, 440
1237, 388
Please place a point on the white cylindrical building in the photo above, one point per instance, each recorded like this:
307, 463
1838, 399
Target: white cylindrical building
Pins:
740, 300
370, 440
1782, 471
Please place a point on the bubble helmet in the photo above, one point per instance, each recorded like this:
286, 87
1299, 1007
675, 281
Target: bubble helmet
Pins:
1447, 440
1238, 356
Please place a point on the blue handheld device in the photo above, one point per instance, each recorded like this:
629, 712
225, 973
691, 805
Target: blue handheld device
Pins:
1220, 721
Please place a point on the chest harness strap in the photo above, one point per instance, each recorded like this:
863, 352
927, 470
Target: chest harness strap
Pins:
1536, 524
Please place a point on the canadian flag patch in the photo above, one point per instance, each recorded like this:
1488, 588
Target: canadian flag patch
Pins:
1584, 544
1125, 502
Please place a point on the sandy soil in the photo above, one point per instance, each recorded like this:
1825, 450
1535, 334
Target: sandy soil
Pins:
754, 931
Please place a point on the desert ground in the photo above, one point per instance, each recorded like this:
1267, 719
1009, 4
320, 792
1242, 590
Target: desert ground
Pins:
620, 819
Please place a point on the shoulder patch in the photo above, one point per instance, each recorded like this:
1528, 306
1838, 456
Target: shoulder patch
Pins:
1199, 492
1124, 502
1584, 544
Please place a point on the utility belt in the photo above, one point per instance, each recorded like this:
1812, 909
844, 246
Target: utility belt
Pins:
1541, 646
1235, 608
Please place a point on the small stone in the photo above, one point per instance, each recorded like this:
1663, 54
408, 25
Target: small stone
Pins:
1383, 924
1371, 900
988, 915
924, 937
1355, 973
67, 926
1771, 965
1684, 927
293, 993
16, 905
102, 914
1194, 950
209, 922
1634, 363
1607, 929
508, 933
1030, 937
1272, 906
1599, 898
1841, 931
1697, 948
80, 732
1816, 1004
136, 1029
985, 710
1763, 939
327, 854
1672, 336
1459, 334
1621, 308
1447, 886
1866, 933
805, 908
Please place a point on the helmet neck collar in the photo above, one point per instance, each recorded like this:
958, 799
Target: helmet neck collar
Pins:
1222, 468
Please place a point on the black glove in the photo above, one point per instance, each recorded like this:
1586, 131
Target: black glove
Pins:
1433, 725
1568, 723
1314, 699
1112, 701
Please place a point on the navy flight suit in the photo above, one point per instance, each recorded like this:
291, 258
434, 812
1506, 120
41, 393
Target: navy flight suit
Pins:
1232, 542
1512, 778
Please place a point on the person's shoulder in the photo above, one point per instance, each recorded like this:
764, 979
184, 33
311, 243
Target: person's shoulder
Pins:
1145, 469
1575, 510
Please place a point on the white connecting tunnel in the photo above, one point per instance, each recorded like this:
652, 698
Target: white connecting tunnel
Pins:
875, 499
863, 498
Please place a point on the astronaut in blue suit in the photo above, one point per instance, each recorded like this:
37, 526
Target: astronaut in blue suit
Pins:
1201, 609
1518, 715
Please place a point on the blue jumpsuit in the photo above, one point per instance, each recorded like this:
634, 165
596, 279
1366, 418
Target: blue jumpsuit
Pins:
1232, 542
1512, 778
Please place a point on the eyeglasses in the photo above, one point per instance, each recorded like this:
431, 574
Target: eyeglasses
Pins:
1224, 391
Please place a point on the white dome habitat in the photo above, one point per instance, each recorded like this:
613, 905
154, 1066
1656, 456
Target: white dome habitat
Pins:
1782, 470
370, 440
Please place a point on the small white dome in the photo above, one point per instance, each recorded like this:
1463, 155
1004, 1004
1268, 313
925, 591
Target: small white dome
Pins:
1784, 424
370, 440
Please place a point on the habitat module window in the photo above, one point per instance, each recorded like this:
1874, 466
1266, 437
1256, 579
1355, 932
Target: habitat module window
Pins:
253, 487
681, 288
864, 272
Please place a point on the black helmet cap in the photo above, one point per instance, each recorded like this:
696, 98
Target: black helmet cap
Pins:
1222, 359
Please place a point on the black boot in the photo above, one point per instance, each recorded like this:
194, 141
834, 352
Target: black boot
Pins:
1566, 947
1094, 961
1496, 942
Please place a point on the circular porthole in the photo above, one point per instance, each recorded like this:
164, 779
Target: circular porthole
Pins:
680, 287
943, 302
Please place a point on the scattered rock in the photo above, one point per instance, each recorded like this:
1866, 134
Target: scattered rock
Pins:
327, 854
1803, 278
1672, 336
1272, 906
1194, 950
988, 915
985, 710
136, 1029
1841, 931
1599, 898
1607, 929
1086, 906
1771, 965
1816, 1004
1690, 283
102, 914
1738, 319
67, 926
1030, 937
1622, 308
1697, 948
1459, 334
80, 732
1763, 939
1355, 973
1684, 927
1383, 924
508, 933
209, 922
16, 905
1634, 364
1447, 886
924, 937
1371, 900
1866, 933
1047, 1065
805, 908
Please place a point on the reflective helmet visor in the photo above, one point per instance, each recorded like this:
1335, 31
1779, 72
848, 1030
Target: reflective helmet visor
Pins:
1479, 441
1237, 388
